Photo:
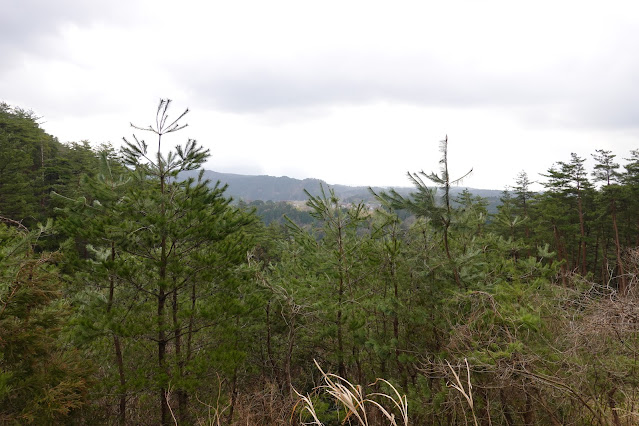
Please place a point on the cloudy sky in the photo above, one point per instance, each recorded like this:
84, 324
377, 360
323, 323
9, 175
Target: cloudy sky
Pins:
352, 92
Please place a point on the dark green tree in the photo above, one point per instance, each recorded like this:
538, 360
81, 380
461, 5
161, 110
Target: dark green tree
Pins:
523, 197
507, 221
93, 221
168, 249
34, 164
630, 180
23, 150
605, 172
569, 180
425, 203
42, 380
342, 247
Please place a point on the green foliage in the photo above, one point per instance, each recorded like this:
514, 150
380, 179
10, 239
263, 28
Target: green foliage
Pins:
21, 184
184, 299
277, 212
33, 165
41, 380
161, 266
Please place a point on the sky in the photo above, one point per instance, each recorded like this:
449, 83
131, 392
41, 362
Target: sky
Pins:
351, 92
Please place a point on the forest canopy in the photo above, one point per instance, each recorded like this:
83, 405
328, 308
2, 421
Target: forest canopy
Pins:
131, 296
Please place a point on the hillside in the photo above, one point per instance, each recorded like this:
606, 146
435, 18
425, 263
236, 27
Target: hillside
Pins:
283, 188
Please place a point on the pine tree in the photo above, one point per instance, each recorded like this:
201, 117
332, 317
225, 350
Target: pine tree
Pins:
92, 221
523, 197
42, 380
605, 171
570, 180
342, 249
424, 202
507, 221
630, 180
20, 170
170, 246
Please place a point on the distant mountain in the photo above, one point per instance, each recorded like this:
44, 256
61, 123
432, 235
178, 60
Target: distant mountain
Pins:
250, 188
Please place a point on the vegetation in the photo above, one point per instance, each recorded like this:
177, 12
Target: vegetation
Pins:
284, 189
42, 380
135, 291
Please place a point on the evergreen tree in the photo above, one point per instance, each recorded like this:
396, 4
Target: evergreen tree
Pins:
341, 246
34, 164
605, 171
92, 220
42, 380
170, 246
508, 222
22, 152
569, 180
630, 179
523, 197
472, 216
424, 202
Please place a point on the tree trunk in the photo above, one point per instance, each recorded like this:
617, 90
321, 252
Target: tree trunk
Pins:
120, 363
621, 270
229, 417
561, 255
450, 258
613, 407
289, 355
117, 348
505, 408
162, 340
529, 413
164, 403
177, 337
341, 368
582, 231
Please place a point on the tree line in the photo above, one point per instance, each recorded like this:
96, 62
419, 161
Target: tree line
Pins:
128, 296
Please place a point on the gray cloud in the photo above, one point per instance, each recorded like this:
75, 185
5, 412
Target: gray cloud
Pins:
566, 94
273, 67
260, 88
32, 26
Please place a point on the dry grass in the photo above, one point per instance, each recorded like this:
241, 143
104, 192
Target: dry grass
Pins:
354, 400
467, 393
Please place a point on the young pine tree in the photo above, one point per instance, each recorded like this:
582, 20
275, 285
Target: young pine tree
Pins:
424, 202
170, 246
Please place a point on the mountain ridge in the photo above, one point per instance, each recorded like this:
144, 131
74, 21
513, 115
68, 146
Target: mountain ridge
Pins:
283, 188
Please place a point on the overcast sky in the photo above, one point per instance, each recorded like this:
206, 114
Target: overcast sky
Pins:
352, 92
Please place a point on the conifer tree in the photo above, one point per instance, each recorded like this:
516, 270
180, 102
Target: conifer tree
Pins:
42, 381
424, 202
523, 197
172, 228
339, 250
507, 219
170, 246
630, 179
33, 165
93, 221
23, 149
605, 171
570, 180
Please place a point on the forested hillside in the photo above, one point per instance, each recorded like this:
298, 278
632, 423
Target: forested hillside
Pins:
130, 295
283, 188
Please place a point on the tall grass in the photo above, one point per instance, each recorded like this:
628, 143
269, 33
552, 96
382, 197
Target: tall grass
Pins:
467, 392
354, 401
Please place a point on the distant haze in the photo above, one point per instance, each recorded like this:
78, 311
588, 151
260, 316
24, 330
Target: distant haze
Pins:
273, 188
